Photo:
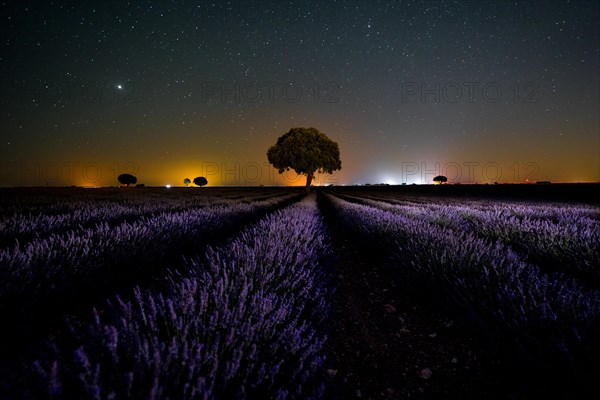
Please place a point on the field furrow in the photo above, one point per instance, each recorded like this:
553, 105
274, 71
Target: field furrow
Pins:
266, 293
559, 238
547, 324
241, 321
45, 278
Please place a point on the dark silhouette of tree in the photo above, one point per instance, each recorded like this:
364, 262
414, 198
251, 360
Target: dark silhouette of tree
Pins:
187, 181
440, 179
127, 179
200, 181
306, 151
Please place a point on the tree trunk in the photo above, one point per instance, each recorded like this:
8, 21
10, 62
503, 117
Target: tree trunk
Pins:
309, 179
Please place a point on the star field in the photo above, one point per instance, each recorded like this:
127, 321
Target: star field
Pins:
494, 91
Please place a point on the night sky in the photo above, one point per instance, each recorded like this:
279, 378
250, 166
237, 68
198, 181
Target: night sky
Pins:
478, 91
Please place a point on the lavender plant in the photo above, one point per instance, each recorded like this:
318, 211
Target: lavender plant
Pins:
45, 276
26, 222
549, 320
241, 322
564, 239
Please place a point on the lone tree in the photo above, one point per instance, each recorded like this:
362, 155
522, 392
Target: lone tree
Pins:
440, 179
306, 151
200, 181
127, 179
187, 181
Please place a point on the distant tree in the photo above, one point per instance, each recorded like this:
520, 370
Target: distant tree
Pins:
440, 179
187, 181
140, 185
306, 151
200, 181
127, 179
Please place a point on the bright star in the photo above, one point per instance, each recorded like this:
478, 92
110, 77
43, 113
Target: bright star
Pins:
119, 87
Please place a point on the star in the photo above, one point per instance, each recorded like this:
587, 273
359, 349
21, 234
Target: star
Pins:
119, 87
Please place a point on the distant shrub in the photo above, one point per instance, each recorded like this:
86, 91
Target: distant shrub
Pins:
440, 179
127, 179
200, 181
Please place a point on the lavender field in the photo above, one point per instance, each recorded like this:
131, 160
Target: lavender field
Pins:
267, 293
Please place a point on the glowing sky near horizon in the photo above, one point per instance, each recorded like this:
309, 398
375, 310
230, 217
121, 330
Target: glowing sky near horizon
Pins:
478, 91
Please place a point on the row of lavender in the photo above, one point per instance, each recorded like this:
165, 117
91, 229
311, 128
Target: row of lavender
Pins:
243, 321
513, 208
558, 238
550, 324
48, 275
25, 218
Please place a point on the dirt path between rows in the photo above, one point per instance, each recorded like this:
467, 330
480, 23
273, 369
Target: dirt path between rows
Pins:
384, 344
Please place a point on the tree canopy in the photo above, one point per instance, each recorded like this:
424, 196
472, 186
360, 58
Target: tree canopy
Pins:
200, 181
187, 181
306, 151
440, 179
127, 179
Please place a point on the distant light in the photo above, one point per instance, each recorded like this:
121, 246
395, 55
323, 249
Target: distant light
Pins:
168, 186
119, 87
387, 179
